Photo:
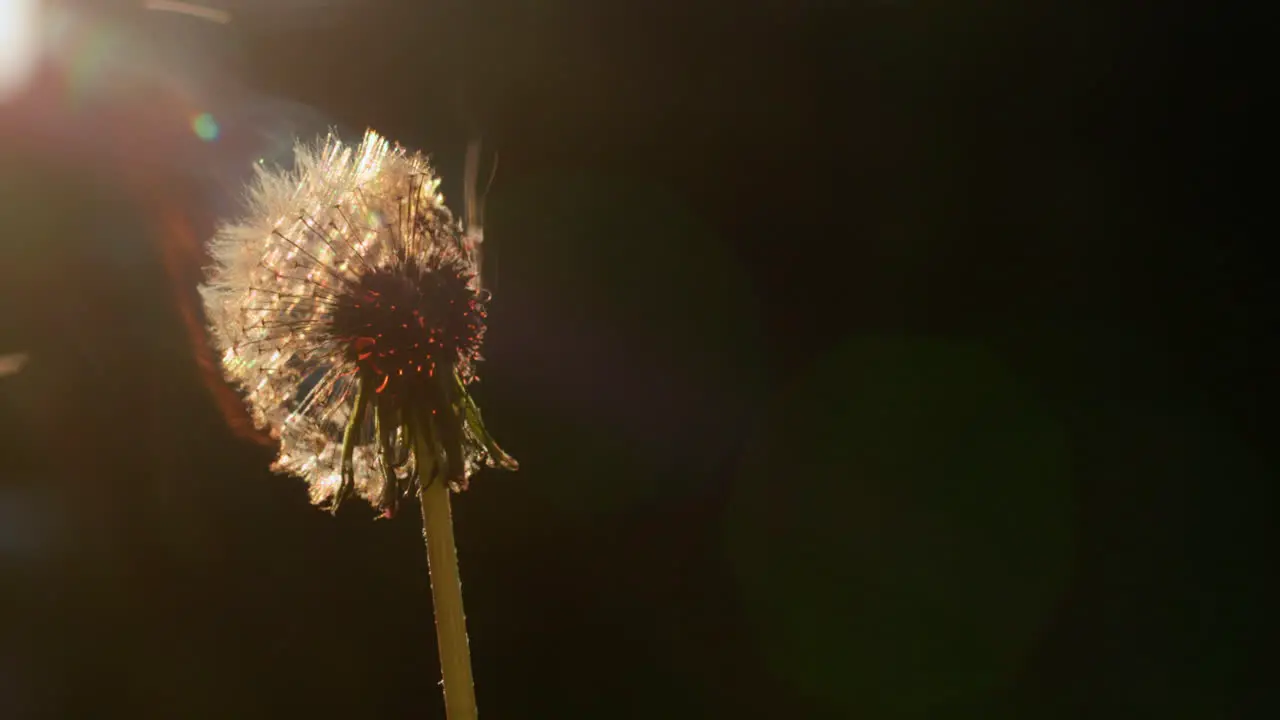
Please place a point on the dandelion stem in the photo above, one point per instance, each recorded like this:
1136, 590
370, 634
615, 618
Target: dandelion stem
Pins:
446, 585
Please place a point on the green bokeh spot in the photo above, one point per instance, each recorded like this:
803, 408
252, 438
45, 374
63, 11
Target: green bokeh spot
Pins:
205, 127
902, 529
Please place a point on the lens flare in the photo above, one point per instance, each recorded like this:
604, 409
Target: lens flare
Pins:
205, 127
18, 44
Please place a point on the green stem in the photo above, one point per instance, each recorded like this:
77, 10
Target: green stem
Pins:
350, 437
446, 585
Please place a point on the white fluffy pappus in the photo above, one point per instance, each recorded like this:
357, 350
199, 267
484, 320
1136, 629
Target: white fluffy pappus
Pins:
301, 302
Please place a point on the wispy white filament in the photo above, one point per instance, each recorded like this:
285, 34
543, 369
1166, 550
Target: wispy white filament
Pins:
197, 11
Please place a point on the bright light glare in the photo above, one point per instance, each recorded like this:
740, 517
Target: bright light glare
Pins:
18, 44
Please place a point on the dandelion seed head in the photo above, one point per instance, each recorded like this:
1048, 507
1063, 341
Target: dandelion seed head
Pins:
349, 269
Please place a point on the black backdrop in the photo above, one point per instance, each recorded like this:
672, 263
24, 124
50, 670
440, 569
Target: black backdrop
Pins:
864, 359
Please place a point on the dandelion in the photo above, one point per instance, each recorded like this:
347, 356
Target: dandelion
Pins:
347, 305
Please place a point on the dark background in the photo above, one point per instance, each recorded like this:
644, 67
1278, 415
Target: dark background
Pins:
864, 359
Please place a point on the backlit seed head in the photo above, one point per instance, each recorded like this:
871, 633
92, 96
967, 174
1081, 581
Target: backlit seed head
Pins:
346, 303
